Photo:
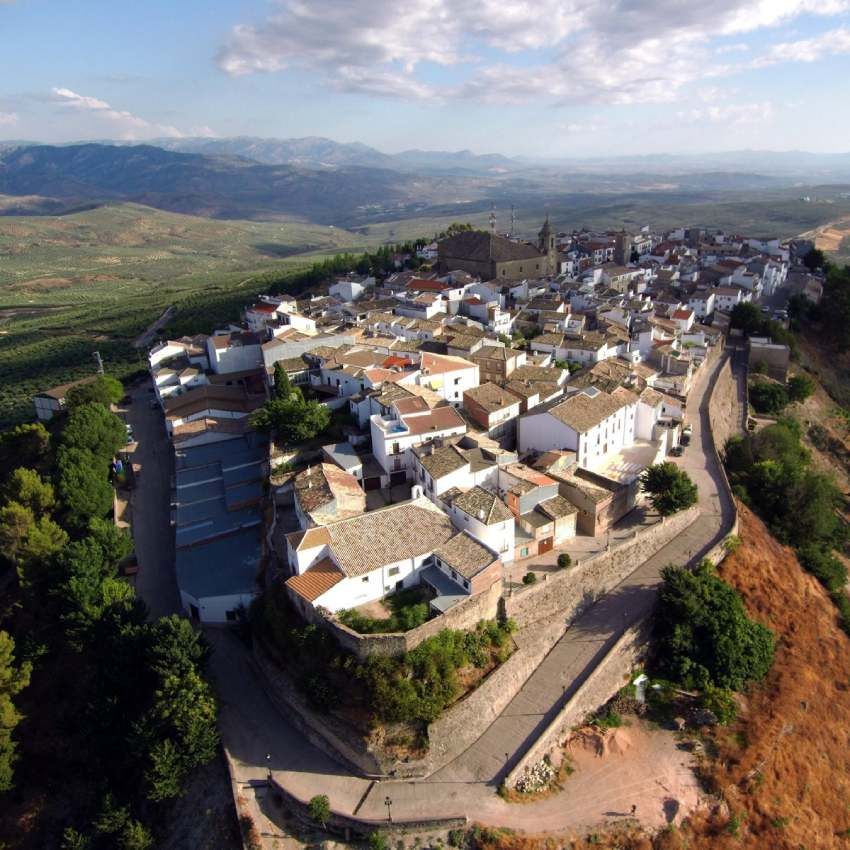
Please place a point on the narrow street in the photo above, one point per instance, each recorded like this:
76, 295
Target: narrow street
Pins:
155, 581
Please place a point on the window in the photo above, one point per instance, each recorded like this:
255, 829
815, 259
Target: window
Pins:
454, 575
230, 616
457, 381
365, 578
524, 551
466, 584
393, 571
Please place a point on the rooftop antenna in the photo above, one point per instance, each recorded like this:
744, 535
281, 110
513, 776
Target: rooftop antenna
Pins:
99, 362
493, 219
513, 221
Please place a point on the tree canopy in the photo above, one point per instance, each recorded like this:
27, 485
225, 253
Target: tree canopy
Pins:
670, 488
14, 677
292, 419
91, 427
704, 636
104, 390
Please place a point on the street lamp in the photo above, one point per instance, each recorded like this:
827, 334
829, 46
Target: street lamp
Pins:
269, 767
389, 804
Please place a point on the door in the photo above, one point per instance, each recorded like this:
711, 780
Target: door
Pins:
196, 614
545, 545
372, 483
397, 478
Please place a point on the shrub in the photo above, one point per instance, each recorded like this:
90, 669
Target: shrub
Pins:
768, 397
457, 837
378, 841
564, 560
319, 809
529, 578
720, 702
824, 566
800, 387
704, 636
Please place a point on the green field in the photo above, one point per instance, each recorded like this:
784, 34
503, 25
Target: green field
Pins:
755, 213
74, 284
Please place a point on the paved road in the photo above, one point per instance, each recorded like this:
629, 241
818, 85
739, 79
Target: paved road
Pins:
155, 581
251, 727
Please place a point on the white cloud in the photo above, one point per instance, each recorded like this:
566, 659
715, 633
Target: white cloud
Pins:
8, 119
622, 51
130, 126
833, 42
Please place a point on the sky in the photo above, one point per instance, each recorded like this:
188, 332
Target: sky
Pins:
551, 78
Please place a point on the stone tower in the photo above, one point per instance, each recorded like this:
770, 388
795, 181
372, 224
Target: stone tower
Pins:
547, 244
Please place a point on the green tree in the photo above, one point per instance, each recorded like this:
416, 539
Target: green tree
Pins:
14, 677
670, 488
704, 636
768, 397
746, 316
291, 419
282, 384
104, 390
91, 427
29, 543
115, 542
26, 445
179, 728
800, 387
83, 486
834, 308
72, 839
319, 809
28, 488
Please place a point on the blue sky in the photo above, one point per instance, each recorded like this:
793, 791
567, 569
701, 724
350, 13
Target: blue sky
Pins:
546, 78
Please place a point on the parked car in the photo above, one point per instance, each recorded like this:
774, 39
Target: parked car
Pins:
687, 431
677, 451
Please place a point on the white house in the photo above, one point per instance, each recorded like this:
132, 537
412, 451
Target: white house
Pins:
702, 303
351, 287
591, 423
448, 376
394, 435
234, 352
487, 518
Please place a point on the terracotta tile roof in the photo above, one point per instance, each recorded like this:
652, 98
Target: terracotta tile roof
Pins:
405, 530
443, 460
581, 412
485, 506
557, 507
319, 579
438, 364
438, 419
465, 555
477, 245
491, 397
320, 486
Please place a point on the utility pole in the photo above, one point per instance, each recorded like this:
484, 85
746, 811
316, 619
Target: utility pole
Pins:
389, 804
99, 362
513, 221
493, 219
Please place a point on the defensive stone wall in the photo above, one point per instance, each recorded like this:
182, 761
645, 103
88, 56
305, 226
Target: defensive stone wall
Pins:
571, 591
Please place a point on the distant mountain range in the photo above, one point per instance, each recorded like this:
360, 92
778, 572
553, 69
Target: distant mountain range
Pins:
351, 184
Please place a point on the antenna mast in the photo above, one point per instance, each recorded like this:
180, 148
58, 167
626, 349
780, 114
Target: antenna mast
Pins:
513, 221
493, 219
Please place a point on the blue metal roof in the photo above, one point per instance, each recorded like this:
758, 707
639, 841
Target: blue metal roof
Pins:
221, 567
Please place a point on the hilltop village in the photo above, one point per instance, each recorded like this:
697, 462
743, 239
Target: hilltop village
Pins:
493, 405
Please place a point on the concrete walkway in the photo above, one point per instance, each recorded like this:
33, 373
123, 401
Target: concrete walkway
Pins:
252, 728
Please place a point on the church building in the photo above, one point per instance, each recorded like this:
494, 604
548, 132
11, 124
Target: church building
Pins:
496, 257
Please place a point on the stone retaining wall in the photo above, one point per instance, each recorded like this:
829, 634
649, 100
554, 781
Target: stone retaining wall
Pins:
611, 674
465, 615
345, 825
569, 592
